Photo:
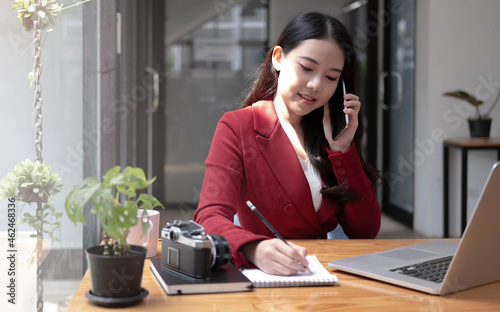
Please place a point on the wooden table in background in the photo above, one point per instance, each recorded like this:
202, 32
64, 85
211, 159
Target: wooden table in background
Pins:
464, 145
353, 293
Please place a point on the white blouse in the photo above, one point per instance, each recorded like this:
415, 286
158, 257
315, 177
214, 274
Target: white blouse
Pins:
312, 174
314, 179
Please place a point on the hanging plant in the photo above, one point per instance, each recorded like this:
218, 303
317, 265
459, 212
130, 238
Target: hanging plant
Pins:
34, 182
48, 12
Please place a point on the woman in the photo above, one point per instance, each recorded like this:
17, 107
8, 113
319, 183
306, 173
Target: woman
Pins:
278, 152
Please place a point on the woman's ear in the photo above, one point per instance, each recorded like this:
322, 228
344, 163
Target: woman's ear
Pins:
277, 57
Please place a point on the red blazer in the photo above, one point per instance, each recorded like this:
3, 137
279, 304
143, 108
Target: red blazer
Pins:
251, 158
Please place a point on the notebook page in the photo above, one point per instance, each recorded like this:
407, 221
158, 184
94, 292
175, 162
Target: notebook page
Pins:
319, 276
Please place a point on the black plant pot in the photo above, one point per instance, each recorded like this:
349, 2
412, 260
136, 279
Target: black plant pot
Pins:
116, 281
480, 128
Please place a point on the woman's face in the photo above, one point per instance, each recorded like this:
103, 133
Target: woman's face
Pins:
308, 75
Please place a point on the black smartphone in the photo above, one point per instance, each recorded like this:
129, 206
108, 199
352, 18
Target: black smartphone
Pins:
339, 120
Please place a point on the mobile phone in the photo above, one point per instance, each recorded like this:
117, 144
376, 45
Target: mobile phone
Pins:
339, 124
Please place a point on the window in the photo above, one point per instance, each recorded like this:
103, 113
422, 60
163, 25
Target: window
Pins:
62, 148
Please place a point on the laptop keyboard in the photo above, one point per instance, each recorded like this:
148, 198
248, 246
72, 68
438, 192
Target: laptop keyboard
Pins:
433, 270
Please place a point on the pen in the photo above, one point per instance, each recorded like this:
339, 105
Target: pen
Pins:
261, 217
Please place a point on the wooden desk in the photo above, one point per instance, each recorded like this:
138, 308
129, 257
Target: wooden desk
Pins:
352, 294
464, 145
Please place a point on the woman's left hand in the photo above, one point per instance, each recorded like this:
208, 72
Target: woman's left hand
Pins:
352, 106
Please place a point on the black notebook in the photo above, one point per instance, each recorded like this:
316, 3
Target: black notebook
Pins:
226, 278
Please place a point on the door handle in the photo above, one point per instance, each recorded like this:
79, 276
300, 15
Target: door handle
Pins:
399, 99
156, 89
381, 93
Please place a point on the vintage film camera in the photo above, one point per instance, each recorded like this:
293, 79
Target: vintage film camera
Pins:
186, 248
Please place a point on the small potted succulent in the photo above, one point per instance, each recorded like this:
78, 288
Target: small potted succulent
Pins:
116, 201
480, 124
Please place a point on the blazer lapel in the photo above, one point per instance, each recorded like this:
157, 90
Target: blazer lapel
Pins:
283, 161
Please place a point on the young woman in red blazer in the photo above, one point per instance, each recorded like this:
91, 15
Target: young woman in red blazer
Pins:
278, 152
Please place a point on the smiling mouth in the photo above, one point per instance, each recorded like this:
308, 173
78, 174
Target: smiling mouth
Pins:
307, 98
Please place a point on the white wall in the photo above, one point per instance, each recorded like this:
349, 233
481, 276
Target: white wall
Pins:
457, 46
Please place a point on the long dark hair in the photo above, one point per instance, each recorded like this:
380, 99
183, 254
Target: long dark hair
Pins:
315, 25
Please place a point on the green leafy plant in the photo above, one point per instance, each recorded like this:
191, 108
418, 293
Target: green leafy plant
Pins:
34, 182
46, 14
115, 201
48, 11
462, 95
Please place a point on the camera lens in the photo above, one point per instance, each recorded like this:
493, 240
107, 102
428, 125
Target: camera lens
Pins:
220, 250
173, 234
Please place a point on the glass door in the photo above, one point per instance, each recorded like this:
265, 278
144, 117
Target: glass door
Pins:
358, 17
397, 102
209, 66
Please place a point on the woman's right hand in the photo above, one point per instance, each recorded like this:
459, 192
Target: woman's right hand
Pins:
351, 108
273, 256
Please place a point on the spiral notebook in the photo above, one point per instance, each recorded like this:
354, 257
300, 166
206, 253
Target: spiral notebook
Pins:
319, 277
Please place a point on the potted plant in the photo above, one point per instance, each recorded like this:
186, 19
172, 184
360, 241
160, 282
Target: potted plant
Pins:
115, 266
480, 124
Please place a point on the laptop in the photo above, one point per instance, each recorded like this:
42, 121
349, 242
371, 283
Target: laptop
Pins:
472, 262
